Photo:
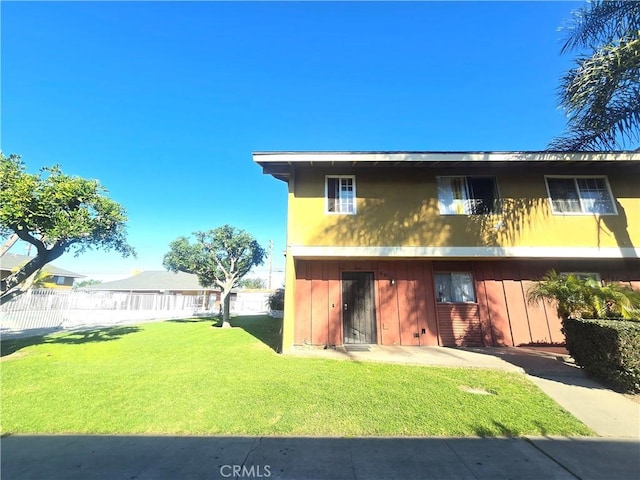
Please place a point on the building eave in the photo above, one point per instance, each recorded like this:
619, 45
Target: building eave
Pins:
280, 164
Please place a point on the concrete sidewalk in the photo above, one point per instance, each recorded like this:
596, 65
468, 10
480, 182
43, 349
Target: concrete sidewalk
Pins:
158, 458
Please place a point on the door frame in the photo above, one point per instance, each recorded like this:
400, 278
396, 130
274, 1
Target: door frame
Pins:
374, 316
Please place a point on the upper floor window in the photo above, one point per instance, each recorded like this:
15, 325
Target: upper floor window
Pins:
580, 195
467, 195
341, 193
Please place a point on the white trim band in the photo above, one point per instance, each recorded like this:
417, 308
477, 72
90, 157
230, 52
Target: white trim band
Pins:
453, 252
392, 157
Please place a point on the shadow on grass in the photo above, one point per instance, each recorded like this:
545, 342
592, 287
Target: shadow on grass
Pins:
194, 320
502, 430
263, 327
9, 346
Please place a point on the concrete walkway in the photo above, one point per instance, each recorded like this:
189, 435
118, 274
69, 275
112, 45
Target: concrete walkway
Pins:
291, 458
614, 455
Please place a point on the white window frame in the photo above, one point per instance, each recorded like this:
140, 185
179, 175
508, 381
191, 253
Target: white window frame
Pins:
463, 206
581, 200
339, 201
451, 274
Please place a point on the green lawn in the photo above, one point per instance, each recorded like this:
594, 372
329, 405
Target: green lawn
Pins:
185, 377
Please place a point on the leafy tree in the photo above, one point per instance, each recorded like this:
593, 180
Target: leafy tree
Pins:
601, 94
220, 257
87, 283
256, 283
276, 300
55, 213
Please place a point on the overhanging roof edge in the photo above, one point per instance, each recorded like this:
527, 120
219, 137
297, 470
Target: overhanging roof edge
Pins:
292, 158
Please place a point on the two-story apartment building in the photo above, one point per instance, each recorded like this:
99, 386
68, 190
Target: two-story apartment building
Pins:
57, 278
439, 248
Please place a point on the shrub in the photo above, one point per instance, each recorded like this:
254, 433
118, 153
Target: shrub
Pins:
608, 350
276, 300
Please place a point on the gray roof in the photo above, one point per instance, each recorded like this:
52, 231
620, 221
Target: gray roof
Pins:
13, 260
154, 280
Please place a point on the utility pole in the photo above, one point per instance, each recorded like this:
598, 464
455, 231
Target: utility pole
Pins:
270, 261
8, 244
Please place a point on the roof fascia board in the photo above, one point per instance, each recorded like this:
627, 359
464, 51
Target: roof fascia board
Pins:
291, 158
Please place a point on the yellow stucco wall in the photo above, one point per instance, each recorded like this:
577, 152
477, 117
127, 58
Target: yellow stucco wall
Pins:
399, 207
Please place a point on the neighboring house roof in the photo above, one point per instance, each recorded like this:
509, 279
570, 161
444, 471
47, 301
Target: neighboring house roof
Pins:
154, 280
10, 261
278, 163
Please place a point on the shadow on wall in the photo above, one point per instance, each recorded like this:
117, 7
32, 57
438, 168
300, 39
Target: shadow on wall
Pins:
378, 224
389, 222
475, 335
399, 207
617, 225
516, 215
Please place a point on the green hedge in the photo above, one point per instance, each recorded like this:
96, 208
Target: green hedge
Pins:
608, 350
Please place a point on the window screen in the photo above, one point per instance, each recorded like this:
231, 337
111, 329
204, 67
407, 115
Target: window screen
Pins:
580, 195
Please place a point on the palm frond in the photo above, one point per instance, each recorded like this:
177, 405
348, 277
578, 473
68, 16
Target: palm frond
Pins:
585, 298
601, 23
601, 96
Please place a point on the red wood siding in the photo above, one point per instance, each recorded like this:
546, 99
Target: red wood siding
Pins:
302, 310
459, 324
406, 306
405, 296
319, 304
335, 297
504, 307
494, 302
388, 316
516, 307
425, 305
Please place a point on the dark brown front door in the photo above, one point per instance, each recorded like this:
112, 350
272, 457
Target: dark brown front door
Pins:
358, 307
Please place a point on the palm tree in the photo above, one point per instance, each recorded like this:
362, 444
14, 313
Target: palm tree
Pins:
585, 297
614, 300
601, 95
567, 291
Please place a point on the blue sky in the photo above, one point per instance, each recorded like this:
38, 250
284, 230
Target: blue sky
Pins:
164, 102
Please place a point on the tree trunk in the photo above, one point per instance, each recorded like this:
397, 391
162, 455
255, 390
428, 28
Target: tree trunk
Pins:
11, 286
226, 307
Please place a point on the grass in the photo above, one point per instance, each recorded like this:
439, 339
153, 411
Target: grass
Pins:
186, 377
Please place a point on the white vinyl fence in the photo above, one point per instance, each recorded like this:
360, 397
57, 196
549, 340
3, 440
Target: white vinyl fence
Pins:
250, 302
55, 309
